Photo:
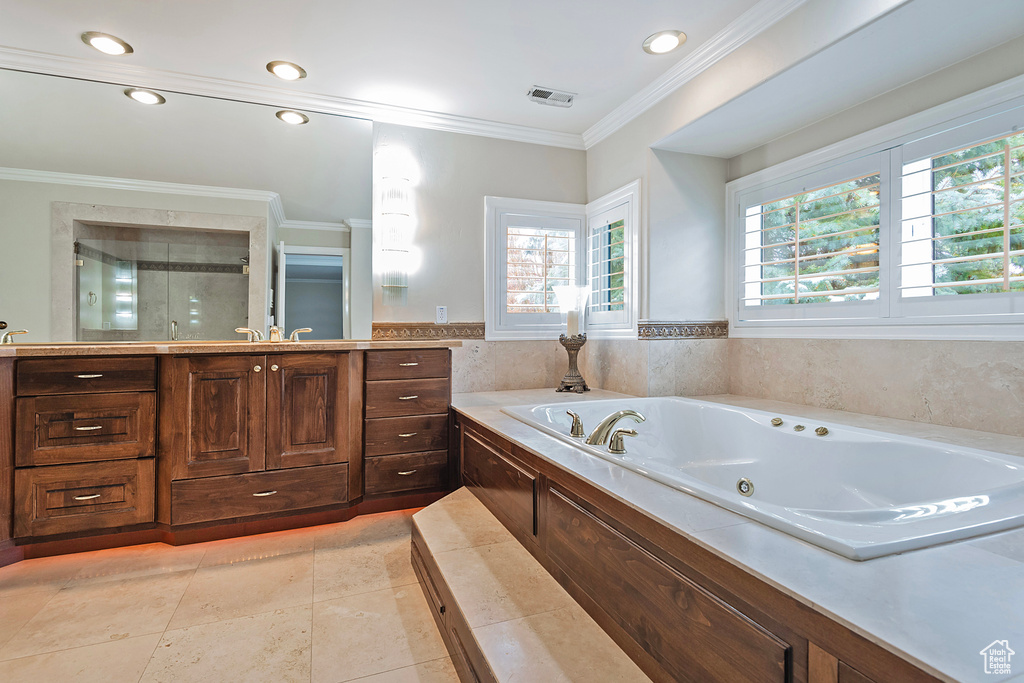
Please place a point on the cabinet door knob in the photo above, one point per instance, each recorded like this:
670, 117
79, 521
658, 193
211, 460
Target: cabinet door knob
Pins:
257, 368
274, 368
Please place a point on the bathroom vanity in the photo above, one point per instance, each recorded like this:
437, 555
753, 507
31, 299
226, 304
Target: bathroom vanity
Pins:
104, 445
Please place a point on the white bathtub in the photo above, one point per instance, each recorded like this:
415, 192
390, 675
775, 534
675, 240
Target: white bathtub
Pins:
857, 492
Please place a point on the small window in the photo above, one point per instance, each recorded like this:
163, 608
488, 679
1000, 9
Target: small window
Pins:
532, 247
612, 256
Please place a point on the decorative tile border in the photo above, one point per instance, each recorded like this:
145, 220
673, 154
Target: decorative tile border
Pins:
426, 331
662, 329
168, 266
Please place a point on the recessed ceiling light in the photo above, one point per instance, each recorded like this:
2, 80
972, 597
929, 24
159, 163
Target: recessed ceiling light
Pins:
145, 96
663, 41
293, 117
106, 43
286, 70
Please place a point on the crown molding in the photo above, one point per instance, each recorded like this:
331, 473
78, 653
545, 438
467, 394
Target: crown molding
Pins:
359, 223
743, 28
322, 226
33, 176
122, 73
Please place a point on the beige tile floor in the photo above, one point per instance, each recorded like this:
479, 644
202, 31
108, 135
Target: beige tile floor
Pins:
326, 604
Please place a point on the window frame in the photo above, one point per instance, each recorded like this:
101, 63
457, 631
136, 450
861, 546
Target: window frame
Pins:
497, 210
974, 117
617, 324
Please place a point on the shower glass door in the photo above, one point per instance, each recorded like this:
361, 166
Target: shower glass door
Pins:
145, 284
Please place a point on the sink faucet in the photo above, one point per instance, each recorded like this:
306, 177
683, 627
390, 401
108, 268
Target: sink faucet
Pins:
254, 335
6, 338
276, 334
599, 436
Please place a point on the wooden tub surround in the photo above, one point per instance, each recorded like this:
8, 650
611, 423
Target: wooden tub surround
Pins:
101, 445
679, 610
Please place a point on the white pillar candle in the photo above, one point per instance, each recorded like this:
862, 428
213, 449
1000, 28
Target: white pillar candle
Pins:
573, 322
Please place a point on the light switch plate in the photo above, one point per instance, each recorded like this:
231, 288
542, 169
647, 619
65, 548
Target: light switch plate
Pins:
442, 315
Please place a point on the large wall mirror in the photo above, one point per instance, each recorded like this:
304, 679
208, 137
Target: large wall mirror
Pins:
130, 222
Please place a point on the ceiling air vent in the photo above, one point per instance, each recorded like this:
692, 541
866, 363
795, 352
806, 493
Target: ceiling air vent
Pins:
555, 98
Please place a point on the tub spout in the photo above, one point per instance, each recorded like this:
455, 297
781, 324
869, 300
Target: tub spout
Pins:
600, 435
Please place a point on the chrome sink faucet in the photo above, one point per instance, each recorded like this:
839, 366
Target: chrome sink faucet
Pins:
600, 435
276, 334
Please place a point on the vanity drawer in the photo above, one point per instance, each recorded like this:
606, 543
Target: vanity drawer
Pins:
393, 473
85, 375
257, 493
391, 435
408, 364
395, 398
57, 430
66, 498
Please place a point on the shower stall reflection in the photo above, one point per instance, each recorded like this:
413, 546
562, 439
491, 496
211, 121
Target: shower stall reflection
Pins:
145, 284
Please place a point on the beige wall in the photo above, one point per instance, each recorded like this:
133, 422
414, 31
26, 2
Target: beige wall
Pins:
970, 384
25, 230
455, 172
1001, 63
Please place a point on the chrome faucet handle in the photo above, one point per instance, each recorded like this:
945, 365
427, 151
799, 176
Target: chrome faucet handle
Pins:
599, 436
577, 425
276, 334
6, 338
253, 335
616, 446
295, 333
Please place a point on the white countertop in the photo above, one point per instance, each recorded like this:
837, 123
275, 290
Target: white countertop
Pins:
937, 607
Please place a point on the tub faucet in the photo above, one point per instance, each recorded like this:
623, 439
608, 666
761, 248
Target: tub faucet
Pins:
600, 435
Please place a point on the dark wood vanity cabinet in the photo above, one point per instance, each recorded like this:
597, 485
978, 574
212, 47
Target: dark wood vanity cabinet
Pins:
236, 416
84, 444
407, 395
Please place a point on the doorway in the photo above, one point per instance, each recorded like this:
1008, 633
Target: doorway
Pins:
313, 290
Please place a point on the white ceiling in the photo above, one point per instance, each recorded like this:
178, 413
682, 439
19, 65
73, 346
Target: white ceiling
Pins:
466, 58
910, 42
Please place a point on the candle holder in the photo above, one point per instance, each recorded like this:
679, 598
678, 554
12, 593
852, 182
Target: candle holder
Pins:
573, 380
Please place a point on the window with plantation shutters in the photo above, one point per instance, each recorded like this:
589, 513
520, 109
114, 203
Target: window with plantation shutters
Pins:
537, 260
915, 235
814, 247
963, 221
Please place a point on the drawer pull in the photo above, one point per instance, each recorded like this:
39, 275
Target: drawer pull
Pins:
91, 496
406, 473
408, 434
407, 365
90, 428
264, 494
407, 398
89, 376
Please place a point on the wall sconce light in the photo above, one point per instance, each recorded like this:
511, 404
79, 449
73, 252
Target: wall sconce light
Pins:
396, 238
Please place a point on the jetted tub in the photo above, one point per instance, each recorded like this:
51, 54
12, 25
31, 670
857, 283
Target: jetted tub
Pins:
857, 492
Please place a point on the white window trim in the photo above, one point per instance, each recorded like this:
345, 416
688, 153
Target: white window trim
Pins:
979, 105
616, 326
494, 272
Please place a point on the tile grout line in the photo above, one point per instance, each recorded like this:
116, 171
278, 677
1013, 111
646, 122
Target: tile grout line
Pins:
397, 668
374, 590
27, 621
171, 618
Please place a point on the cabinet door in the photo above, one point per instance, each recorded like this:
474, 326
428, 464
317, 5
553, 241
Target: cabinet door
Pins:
225, 418
307, 410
